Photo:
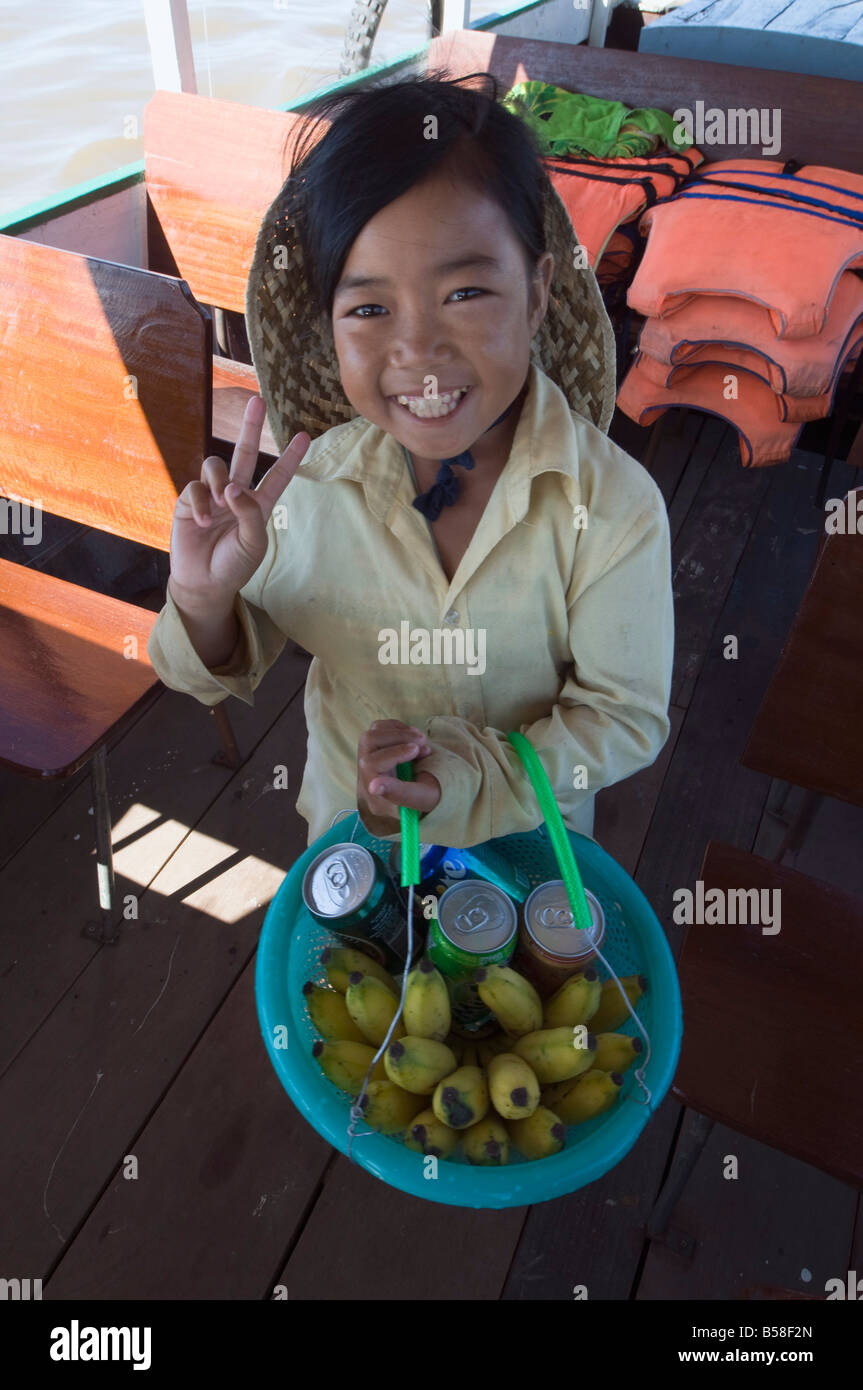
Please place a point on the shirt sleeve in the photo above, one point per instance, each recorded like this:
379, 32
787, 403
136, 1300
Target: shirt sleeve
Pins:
610, 719
258, 647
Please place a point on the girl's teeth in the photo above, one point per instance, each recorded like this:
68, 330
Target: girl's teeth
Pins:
444, 404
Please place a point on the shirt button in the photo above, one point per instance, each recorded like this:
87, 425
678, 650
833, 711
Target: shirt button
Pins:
452, 616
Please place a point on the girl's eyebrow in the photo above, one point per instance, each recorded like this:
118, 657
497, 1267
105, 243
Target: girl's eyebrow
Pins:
357, 282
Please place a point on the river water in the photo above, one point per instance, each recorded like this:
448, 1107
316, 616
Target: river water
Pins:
76, 78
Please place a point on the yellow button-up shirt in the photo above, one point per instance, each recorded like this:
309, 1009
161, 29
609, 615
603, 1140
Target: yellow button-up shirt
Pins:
558, 622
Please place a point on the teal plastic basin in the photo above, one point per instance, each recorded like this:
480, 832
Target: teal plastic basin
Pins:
635, 943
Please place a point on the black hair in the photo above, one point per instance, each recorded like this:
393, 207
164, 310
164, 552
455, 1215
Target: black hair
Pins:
377, 147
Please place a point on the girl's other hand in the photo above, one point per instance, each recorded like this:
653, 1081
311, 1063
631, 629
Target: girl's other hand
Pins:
380, 790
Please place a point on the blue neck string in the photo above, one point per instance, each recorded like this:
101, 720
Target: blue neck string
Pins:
445, 490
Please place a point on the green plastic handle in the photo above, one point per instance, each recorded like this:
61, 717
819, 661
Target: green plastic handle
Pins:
578, 903
410, 823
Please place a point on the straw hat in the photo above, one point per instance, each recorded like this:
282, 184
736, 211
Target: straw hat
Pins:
295, 358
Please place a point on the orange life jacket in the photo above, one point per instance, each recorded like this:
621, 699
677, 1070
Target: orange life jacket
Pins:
601, 194
779, 235
711, 328
764, 436
796, 408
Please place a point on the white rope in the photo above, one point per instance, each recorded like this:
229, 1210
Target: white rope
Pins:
356, 1110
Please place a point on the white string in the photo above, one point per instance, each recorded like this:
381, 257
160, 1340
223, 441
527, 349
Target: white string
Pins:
356, 1111
639, 1071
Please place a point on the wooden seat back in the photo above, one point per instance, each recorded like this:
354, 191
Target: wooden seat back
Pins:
212, 168
105, 389
808, 728
821, 117
753, 1052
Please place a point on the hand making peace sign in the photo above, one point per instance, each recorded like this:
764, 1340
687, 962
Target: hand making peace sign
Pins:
219, 535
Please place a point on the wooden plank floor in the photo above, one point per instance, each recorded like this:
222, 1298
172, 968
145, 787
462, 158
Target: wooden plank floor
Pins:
151, 1150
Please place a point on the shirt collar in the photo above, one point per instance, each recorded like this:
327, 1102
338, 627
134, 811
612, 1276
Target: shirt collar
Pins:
545, 440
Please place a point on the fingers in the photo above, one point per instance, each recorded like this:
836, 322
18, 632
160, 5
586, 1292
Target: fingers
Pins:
214, 474
197, 497
422, 795
388, 731
251, 526
248, 445
385, 760
274, 482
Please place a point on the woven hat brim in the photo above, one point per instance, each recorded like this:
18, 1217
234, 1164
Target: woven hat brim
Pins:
294, 355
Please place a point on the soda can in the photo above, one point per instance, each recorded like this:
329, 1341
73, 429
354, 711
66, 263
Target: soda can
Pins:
476, 925
347, 889
551, 948
478, 863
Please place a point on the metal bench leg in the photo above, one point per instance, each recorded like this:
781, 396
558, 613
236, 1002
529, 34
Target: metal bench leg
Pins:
229, 753
104, 930
693, 1138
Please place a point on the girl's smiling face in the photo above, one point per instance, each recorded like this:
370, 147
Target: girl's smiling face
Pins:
437, 284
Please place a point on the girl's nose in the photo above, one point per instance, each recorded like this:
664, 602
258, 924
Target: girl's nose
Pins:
417, 338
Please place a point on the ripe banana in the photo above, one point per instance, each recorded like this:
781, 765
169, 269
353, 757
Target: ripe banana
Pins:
511, 998
388, 1108
418, 1064
427, 1012
462, 1098
329, 1014
372, 1006
555, 1053
616, 1051
589, 1095
428, 1136
346, 1064
575, 1002
486, 1142
341, 961
541, 1134
513, 1086
612, 1011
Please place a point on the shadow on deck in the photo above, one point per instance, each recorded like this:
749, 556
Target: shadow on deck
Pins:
149, 1150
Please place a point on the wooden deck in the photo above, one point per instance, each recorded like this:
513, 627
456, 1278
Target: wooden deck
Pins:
151, 1050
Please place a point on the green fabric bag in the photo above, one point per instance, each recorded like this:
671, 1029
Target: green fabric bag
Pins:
571, 123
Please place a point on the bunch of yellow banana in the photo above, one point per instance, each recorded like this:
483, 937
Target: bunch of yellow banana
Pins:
427, 1011
372, 1006
612, 1010
418, 1064
516, 1090
461, 1099
588, 1095
556, 1054
511, 998
341, 961
575, 1002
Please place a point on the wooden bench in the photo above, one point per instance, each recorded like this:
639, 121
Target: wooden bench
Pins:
772, 1040
106, 375
808, 727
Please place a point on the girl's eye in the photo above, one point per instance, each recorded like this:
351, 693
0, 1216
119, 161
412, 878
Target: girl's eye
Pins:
359, 312
470, 290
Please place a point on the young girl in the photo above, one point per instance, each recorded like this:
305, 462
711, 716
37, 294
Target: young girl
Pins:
461, 548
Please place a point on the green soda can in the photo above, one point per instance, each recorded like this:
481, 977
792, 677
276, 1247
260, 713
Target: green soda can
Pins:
347, 889
476, 925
